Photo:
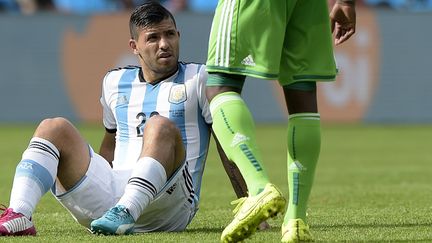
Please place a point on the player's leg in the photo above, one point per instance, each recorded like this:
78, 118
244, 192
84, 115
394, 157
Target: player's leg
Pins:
234, 126
241, 44
304, 140
162, 154
173, 207
55, 151
307, 57
236, 50
96, 192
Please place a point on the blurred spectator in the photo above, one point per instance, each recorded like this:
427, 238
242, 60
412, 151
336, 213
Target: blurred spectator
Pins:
413, 5
87, 6
131, 4
45, 5
27, 6
175, 6
398, 4
83, 6
32, 6
8, 6
172, 5
202, 6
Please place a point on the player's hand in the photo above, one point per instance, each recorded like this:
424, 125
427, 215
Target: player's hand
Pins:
343, 21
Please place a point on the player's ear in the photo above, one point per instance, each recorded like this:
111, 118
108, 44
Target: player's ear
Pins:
133, 46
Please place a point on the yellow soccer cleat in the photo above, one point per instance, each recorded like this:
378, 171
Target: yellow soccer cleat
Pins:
296, 231
251, 211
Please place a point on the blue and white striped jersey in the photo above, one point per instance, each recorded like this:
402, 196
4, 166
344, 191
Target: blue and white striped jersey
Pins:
127, 102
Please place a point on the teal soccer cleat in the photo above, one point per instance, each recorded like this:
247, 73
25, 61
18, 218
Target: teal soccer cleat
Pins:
116, 221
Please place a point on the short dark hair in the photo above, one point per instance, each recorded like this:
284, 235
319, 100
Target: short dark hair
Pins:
147, 14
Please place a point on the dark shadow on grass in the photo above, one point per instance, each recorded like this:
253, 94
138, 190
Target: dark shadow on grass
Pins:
219, 230
204, 230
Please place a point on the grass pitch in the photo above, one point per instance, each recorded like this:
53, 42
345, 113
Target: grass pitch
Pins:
373, 184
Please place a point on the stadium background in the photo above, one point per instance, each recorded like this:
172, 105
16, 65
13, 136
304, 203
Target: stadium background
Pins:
53, 64
373, 181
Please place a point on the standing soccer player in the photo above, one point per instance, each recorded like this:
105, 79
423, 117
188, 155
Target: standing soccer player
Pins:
273, 39
157, 122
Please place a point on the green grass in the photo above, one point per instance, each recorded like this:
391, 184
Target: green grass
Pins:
373, 184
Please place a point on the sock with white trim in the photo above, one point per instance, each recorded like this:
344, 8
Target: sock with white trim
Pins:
147, 179
235, 129
304, 143
34, 176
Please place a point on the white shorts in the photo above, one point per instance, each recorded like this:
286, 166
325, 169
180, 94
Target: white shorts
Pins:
100, 189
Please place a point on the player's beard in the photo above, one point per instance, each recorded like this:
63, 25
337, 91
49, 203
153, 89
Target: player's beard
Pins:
165, 70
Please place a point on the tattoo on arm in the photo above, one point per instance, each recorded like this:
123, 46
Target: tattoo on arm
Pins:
237, 181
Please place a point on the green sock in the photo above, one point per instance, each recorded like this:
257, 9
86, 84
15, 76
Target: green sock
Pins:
304, 142
235, 129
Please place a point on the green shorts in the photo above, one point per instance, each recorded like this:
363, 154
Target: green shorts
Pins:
272, 39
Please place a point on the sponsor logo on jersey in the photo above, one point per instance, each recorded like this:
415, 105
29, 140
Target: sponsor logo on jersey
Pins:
177, 113
248, 61
172, 188
177, 94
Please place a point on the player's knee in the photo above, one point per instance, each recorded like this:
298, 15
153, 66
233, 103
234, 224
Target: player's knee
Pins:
53, 127
161, 126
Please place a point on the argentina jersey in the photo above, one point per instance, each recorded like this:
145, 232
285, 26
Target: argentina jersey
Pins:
128, 101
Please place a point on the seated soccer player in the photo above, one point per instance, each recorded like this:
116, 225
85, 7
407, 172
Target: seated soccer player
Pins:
147, 175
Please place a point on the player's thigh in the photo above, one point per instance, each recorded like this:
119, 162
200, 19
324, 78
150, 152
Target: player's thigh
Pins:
308, 50
173, 207
96, 192
247, 38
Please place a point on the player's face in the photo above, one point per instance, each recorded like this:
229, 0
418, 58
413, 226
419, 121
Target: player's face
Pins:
158, 50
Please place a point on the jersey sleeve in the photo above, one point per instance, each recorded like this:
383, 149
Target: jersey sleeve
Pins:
202, 99
108, 116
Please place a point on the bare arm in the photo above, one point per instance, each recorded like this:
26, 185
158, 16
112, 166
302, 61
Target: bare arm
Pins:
343, 20
107, 147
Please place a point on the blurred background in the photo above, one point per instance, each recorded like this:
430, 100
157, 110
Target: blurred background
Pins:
54, 54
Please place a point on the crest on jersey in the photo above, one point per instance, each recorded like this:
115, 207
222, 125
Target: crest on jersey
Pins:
177, 94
